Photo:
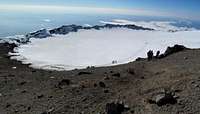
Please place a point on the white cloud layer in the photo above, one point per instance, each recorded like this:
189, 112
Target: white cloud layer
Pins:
47, 20
99, 47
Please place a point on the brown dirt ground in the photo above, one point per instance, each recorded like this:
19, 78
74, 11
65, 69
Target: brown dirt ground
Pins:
31, 91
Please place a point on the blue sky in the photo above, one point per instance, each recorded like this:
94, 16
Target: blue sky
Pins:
180, 8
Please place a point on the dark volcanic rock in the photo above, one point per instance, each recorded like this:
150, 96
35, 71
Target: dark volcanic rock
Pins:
74, 28
131, 71
106, 91
40, 96
172, 50
22, 83
9, 46
82, 73
65, 29
39, 34
134, 27
116, 75
102, 84
64, 82
163, 98
115, 108
44, 112
166, 98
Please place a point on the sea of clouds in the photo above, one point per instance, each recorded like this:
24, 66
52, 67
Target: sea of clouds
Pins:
85, 48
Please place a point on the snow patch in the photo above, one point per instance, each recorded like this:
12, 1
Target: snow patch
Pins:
87, 25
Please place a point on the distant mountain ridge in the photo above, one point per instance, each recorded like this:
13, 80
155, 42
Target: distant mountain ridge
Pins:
65, 29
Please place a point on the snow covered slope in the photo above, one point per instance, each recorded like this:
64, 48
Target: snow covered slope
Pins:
99, 47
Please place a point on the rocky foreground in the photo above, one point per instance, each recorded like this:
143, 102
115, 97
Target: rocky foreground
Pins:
166, 84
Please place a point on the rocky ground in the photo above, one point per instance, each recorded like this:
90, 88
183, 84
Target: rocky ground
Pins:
170, 85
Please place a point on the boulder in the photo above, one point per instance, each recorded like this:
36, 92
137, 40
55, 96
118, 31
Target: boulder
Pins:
112, 108
166, 98
172, 50
115, 108
163, 98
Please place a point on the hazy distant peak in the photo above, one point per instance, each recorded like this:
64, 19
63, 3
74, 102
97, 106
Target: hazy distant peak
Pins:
156, 25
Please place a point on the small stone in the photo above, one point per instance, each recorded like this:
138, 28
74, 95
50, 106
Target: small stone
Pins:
14, 67
131, 71
22, 83
24, 91
132, 111
177, 90
117, 75
50, 110
83, 73
126, 107
196, 85
52, 77
40, 96
139, 59
82, 86
106, 78
33, 71
29, 108
95, 85
106, 91
1, 94
64, 82
50, 97
185, 58
142, 77
8, 105
11, 75
16, 111
150, 101
102, 84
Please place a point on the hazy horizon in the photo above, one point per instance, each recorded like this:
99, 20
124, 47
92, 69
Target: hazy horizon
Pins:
19, 17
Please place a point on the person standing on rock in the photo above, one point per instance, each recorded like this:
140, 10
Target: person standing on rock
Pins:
150, 55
